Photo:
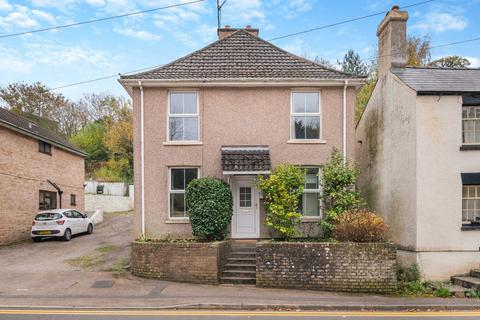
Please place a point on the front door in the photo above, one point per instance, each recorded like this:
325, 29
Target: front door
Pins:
245, 222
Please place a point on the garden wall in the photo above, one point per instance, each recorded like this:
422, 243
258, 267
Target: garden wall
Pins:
350, 267
185, 262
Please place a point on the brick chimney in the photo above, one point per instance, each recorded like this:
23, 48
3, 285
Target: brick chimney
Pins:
392, 41
226, 31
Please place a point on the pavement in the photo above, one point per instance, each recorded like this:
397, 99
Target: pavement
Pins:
89, 272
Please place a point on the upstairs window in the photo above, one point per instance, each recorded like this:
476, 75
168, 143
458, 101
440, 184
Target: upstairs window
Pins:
44, 147
305, 117
179, 180
183, 119
471, 125
309, 204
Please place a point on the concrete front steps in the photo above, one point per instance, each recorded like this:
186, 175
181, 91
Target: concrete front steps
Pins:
470, 281
241, 264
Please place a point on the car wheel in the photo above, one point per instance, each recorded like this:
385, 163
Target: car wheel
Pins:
67, 235
90, 229
36, 239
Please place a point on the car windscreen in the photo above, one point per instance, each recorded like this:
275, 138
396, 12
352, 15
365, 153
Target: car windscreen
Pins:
48, 216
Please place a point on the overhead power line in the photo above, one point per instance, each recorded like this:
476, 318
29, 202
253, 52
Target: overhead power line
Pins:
98, 20
344, 21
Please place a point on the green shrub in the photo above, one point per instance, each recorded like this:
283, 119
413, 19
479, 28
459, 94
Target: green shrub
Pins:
360, 226
472, 294
337, 180
209, 201
281, 193
409, 274
414, 288
442, 292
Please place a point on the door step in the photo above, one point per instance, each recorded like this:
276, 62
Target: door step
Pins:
241, 264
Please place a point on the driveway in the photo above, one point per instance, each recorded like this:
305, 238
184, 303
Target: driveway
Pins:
107, 249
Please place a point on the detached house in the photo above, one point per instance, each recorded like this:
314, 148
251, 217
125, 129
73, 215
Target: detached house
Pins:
234, 110
419, 152
38, 171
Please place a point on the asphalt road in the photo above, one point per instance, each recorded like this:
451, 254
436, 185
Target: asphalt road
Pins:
230, 315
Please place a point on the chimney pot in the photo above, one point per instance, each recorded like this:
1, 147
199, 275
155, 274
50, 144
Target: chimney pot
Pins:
395, 7
248, 26
227, 26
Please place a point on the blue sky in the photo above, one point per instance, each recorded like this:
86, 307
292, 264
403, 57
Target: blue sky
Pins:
80, 53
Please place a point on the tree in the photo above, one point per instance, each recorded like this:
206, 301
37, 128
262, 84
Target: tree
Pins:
282, 191
337, 180
352, 64
317, 59
418, 51
450, 62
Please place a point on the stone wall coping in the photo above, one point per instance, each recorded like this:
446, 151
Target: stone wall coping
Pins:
181, 244
330, 243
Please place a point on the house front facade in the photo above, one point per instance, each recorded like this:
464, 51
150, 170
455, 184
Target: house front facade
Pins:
418, 150
234, 110
38, 171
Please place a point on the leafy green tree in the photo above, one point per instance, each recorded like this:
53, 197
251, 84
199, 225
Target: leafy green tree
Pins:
418, 51
281, 192
92, 139
337, 181
450, 62
318, 59
353, 64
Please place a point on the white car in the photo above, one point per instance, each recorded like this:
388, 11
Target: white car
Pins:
60, 223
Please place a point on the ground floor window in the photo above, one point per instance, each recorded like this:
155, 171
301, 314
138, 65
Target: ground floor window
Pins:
47, 200
178, 182
471, 204
309, 204
73, 200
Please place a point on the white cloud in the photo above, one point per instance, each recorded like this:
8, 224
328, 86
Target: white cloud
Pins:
201, 35
43, 15
10, 61
96, 3
25, 18
475, 62
140, 34
293, 8
4, 5
176, 16
239, 13
441, 21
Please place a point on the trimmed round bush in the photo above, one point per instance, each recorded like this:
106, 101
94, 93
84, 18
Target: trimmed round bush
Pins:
360, 226
210, 203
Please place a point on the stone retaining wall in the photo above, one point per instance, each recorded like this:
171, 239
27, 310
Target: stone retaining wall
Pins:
350, 267
184, 262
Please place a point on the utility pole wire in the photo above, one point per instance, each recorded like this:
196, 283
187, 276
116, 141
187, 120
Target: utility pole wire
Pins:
344, 22
98, 20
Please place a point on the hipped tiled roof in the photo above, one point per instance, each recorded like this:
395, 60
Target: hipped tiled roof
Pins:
20, 124
242, 56
440, 80
245, 158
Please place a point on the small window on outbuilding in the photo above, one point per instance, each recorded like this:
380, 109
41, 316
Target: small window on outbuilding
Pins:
47, 200
73, 200
44, 147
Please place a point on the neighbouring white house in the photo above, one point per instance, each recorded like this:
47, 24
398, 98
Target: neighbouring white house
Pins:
418, 147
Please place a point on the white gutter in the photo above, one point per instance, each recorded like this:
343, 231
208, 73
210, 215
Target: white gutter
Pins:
345, 122
142, 156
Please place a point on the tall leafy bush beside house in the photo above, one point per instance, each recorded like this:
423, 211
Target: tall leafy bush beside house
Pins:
282, 191
360, 226
337, 181
210, 206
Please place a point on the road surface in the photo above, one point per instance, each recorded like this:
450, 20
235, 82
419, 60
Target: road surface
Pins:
56, 314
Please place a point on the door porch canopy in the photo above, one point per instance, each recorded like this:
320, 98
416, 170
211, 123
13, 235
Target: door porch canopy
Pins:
245, 160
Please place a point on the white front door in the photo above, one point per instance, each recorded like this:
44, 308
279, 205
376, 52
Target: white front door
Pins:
245, 222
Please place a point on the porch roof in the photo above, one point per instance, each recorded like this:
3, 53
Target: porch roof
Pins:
245, 159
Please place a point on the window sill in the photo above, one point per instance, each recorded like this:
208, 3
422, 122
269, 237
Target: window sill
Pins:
177, 221
470, 227
312, 141
311, 219
468, 147
183, 143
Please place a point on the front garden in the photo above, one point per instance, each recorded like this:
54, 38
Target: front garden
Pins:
350, 252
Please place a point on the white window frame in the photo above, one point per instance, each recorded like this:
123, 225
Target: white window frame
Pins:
474, 130
319, 191
170, 191
476, 200
294, 114
183, 115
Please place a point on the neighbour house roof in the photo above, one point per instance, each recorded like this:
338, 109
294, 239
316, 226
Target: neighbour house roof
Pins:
440, 80
241, 56
20, 124
245, 159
